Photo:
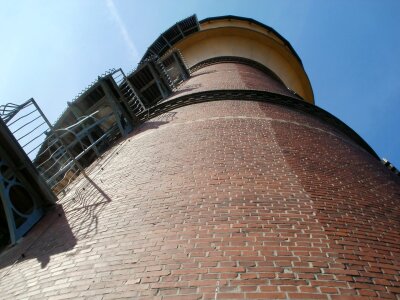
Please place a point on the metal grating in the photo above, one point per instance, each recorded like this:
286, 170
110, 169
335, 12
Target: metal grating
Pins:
390, 166
172, 35
174, 66
151, 81
129, 94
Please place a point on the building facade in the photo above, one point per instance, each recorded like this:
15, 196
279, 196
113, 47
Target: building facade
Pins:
233, 184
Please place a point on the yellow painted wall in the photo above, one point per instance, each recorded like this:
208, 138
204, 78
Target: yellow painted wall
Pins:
248, 40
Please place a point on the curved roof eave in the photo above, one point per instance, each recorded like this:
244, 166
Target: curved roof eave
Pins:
268, 28
272, 31
193, 19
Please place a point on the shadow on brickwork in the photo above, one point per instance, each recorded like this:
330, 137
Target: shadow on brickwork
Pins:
156, 122
83, 207
50, 236
75, 219
186, 89
196, 74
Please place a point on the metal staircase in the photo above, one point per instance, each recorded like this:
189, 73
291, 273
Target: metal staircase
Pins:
128, 92
178, 51
165, 74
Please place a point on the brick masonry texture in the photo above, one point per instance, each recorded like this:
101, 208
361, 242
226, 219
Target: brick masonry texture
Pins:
230, 76
219, 200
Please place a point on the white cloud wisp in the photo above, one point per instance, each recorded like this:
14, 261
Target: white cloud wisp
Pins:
122, 28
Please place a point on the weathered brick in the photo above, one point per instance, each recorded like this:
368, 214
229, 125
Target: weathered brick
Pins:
229, 198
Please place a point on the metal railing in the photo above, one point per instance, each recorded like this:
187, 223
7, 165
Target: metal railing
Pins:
86, 89
27, 123
58, 154
65, 152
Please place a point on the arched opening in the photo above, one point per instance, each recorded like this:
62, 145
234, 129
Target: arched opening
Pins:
22, 202
4, 231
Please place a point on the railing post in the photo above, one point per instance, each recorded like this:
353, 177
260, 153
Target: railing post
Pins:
115, 106
58, 137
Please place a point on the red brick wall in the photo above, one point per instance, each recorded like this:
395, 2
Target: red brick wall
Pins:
223, 200
231, 76
304, 210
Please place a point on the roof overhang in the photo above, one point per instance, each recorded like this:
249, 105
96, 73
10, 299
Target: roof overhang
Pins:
244, 37
225, 36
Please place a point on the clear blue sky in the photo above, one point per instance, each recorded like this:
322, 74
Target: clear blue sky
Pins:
51, 50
